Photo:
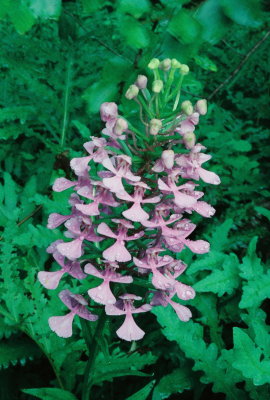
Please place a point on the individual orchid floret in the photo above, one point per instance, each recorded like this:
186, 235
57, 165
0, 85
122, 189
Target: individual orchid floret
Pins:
62, 325
181, 199
157, 86
164, 298
99, 195
189, 140
136, 213
96, 149
119, 167
189, 124
129, 330
165, 163
50, 280
176, 238
158, 220
62, 184
120, 126
153, 263
56, 219
102, 294
80, 231
118, 251
132, 92
191, 166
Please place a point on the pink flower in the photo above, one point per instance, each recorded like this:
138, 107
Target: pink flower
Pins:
108, 111
129, 330
181, 199
118, 252
98, 195
73, 249
188, 125
191, 166
62, 325
136, 213
119, 167
102, 294
163, 299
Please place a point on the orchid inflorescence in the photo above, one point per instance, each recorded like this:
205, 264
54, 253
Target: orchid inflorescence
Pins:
132, 190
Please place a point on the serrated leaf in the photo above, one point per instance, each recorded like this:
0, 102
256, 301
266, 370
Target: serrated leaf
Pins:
50, 394
175, 382
14, 351
221, 281
247, 358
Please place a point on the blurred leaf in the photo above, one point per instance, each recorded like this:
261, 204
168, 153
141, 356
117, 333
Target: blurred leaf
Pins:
45, 8
135, 33
21, 17
247, 12
205, 63
263, 211
98, 93
91, 5
50, 394
14, 351
136, 9
213, 20
184, 27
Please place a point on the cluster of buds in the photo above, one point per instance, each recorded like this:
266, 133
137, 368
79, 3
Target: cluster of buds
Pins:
131, 197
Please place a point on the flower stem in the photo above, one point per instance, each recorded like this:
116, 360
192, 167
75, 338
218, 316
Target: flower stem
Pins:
92, 350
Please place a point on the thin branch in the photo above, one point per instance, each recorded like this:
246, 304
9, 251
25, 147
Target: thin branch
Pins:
238, 68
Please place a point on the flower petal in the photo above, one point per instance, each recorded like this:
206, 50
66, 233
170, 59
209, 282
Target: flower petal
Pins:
130, 330
62, 326
50, 280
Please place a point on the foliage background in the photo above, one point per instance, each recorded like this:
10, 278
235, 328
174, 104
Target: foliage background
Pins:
59, 61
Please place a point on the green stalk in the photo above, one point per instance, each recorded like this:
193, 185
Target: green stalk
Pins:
144, 105
179, 93
92, 348
66, 101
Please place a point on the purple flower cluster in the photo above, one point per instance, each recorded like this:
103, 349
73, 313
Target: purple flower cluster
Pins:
144, 207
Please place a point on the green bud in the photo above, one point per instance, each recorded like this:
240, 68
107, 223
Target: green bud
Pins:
184, 69
201, 106
157, 86
155, 126
141, 81
154, 63
187, 107
120, 126
175, 63
189, 139
165, 65
167, 157
132, 92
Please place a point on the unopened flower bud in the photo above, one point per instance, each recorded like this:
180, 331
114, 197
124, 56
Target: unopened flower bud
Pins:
184, 69
167, 157
141, 81
132, 92
120, 126
155, 126
189, 139
165, 64
187, 107
175, 63
108, 111
201, 106
157, 86
154, 63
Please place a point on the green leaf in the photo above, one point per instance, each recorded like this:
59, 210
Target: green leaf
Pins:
143, 393
214, 23
135, 33
175, 382
14, 351
45, 8
98, 93
136, 9
83, 129
205, 63
21, 17
247, 12
263, 211
221, 281
251, 265
248, 358
184, 27
50, 394
91, 5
